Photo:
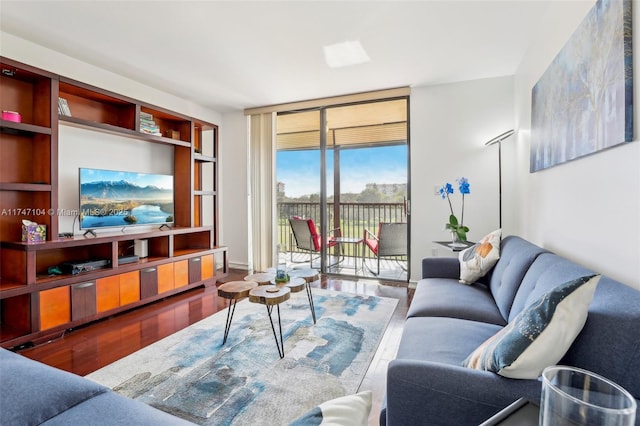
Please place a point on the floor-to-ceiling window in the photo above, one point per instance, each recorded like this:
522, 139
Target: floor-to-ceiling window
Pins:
346, 168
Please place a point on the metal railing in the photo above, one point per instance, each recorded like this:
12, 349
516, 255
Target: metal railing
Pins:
353, 218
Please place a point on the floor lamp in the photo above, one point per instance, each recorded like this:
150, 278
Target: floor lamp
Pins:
498, 140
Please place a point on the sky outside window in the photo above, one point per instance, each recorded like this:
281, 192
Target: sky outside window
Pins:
300, 170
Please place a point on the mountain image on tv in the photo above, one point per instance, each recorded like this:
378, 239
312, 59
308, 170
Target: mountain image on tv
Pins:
116, 198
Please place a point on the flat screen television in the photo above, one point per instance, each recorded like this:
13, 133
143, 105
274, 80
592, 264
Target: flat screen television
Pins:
111, 198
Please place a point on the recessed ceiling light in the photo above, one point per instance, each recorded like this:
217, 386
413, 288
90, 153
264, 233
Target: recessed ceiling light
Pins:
344, 54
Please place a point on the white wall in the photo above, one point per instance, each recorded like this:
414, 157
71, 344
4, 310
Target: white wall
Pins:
587, 209
449, 125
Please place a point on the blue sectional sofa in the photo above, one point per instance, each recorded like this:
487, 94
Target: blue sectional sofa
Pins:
447, 320
33, 394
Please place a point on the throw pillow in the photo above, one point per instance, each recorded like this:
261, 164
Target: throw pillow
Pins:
352, 410
540, 335
478, 259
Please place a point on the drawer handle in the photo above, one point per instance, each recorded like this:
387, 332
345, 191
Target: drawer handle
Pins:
197, 259
149, 270
84, 285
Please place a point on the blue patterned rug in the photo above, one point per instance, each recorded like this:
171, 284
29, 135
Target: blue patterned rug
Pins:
191, 375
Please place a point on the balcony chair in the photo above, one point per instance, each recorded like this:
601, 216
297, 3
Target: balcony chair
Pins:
391, 241
307, 238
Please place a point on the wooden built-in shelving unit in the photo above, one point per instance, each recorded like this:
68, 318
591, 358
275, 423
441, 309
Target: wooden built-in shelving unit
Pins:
35, 303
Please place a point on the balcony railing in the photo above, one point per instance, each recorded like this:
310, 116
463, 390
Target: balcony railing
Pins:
353, 218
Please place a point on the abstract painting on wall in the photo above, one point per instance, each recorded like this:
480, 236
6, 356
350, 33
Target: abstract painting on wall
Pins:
583, 103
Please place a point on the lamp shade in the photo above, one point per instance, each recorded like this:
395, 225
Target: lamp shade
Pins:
500, 137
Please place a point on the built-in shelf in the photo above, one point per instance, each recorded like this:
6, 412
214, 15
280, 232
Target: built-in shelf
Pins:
36, 301
204, 158
14, 127
34, 187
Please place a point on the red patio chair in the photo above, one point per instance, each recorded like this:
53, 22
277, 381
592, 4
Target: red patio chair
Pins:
307, 238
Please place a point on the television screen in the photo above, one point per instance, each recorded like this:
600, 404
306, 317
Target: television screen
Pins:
117, 198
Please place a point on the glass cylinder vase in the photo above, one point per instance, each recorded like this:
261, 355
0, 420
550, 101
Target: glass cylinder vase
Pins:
572, 396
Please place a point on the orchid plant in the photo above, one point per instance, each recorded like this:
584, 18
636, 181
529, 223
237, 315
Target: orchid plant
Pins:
455, 226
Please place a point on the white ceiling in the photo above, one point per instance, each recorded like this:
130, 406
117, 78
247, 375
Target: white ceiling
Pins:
230, 55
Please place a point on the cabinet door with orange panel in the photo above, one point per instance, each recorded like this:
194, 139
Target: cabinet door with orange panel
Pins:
108, 293
166, 277
55, 307
181, 273
207, 267
129, 287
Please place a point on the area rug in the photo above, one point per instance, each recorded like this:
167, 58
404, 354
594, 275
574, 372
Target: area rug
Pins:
190, 374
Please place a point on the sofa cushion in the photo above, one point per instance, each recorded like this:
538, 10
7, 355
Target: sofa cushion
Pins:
39, 392
516, 255
446, 297
547, 272
540, 335
478, 259
442, 340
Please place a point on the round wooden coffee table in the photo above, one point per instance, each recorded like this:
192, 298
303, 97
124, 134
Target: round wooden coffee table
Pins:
295, 284
310, 275
299, 279
234, 291
270, 296
262, 278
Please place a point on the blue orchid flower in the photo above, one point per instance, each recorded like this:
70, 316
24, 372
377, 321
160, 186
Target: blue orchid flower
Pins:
445, 190
454, 226
463, 185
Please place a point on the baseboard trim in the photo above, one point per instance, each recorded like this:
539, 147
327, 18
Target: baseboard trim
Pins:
236, 265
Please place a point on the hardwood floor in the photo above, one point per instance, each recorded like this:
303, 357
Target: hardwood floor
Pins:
84, 350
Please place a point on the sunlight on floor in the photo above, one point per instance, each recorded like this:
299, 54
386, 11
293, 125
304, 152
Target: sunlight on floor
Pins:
346, 266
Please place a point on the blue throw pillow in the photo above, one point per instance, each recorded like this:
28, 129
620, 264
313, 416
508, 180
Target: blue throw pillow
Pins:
540, 335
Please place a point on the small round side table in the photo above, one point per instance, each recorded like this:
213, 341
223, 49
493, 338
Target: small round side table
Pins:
234, 291
309, 275
262, 278
270, 296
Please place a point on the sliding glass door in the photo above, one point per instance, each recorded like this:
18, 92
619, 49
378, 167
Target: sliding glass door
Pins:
346, 169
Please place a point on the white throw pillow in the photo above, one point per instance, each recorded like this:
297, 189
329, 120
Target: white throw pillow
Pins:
540, 335
478, 259
350, 410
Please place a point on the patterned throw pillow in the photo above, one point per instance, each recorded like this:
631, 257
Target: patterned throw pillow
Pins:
540, 335
350, 410
478, 259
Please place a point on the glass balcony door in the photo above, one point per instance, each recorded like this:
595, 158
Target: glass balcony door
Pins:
346, 168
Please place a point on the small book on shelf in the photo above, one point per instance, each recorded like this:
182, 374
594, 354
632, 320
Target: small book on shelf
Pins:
146, 116
63, 107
